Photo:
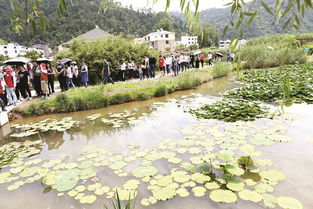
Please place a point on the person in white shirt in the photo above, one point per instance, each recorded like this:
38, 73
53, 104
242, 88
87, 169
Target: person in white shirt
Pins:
122, 70
75, 73
131, 68
210, 57
69, 77
168, 63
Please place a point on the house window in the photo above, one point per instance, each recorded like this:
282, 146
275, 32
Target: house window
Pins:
167, 42
166, 35
5, 47
15, 52
161, 36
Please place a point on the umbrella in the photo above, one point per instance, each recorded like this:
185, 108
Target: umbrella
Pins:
44, 60
197, 52
66, 60
17, 61
219, 55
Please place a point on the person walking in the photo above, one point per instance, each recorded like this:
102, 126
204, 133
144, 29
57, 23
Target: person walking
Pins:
162, 64
69, 76
10, 81
202, 57
60, 70
44, 80
106, 72
192, 60
228, 56
147, 66
84, 74
18, 92
2, 95
210, 57
122, 70
50, 78
168, 63
36, 71
75, 74
152, 64
131, 69
197, 62
23, 81
144, 69
175, 65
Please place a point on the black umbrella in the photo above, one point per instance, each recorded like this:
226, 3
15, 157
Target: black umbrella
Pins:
44, 60
219, 55
17, 61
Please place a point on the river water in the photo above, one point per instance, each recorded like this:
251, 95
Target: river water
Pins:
156, 120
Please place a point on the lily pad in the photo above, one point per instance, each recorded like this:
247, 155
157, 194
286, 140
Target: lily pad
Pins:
289, 203
143, 171
235, 185
223, 196
250, 195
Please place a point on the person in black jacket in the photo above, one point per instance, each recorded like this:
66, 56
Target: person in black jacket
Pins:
152, 64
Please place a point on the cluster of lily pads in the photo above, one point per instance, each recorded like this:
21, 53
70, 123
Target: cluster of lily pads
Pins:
231, 110
266, 84
213, 159
25, 130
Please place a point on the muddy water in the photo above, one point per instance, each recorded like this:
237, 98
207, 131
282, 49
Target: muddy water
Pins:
163, 118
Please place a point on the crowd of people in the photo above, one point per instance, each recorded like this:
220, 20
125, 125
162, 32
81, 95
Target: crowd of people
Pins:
15, 80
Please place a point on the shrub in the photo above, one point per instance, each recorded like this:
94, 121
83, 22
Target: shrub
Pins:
221, 69
160, 91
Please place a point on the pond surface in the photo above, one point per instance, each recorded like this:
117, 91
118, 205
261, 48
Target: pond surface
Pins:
136, 132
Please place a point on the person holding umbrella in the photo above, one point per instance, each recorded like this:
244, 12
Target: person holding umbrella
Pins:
84, 74
10, 81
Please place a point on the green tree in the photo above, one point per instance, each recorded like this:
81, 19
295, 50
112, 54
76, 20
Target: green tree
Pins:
2, 42
165, 24
208, 36
33, 54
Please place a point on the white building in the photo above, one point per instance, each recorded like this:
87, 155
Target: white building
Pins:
189, 40
161, 40
225, 44
13, 50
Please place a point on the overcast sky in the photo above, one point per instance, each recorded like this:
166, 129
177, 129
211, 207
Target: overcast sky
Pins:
175, 4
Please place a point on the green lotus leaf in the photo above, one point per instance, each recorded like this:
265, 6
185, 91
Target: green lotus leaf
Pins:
235, 185
182, 192
189, 184
289, 203
180, 176
131, 184
4, 177
80, 188
174, 160
223, 196
269, 201
143, 171
118, 165
264, 162
272, 175
250, 195
65, 185
72, 193
27, 172
263, 188
87, 173
212, 185
194, 150
200, 178
196, 160
163, 193
15, 186
234, 170
250, 182
102, 190
51, 163
199, 191
88, 199
225, 155
145, 202
164, 180
85, 164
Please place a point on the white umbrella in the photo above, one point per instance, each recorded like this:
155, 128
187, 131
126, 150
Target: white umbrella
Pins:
44, 60
17, 61
197, 52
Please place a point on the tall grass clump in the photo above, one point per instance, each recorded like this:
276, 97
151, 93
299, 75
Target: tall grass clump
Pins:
188, 81
160, 91
221, 69
270, 51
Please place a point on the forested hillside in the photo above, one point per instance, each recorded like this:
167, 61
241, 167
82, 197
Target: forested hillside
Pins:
262, 25
83, 16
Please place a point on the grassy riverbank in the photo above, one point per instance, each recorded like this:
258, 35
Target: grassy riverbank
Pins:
104, 95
